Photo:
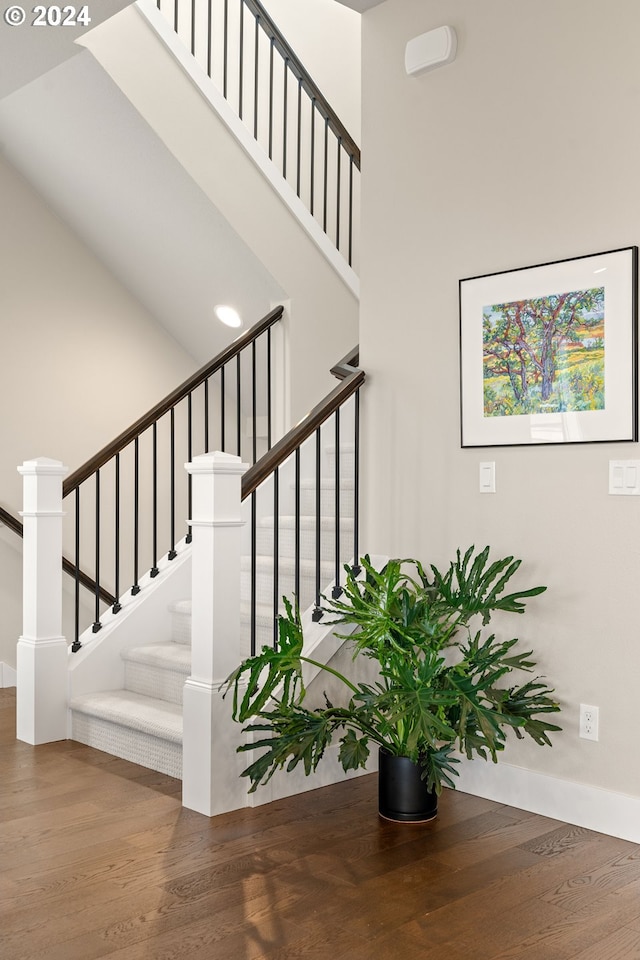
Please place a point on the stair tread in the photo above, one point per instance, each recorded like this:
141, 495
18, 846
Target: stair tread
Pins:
158, 718
286, 565
327, 483
288, 521
264, 611
171, 656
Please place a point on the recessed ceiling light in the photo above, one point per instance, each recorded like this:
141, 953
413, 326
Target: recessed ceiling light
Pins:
227, 315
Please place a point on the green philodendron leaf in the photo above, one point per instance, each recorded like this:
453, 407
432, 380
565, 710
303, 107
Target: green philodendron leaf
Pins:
478, 590
296, 736
520, 706
354, 751
269, 671
440, 769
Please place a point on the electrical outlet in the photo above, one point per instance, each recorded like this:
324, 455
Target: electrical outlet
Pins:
588, 722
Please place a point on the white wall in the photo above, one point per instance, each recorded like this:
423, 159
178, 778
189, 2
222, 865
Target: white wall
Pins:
522, 151
326, 38
81, 358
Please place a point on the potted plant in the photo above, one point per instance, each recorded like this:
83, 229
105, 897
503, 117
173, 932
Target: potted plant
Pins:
443, 681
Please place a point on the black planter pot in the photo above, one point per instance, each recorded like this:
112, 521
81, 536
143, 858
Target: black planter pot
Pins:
402, 793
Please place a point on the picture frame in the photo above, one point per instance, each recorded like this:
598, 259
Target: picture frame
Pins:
548, 353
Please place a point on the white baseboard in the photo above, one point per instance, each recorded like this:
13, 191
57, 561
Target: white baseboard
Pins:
605, 811
8, 677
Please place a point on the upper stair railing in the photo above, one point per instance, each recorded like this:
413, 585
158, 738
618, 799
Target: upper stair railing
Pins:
251, 63
127, 498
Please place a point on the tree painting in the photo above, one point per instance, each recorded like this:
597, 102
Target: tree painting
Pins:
544, 355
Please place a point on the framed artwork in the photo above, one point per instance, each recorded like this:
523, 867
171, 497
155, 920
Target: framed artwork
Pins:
548, 354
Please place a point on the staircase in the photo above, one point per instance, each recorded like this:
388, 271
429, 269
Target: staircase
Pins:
143, 721
130, 505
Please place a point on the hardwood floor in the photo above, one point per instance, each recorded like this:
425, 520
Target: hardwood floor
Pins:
98, 859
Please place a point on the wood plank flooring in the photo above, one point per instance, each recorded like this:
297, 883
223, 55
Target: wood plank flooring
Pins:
99, 860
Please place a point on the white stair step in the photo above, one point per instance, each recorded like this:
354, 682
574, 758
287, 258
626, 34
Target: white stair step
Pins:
287, 536
158, 670
286, 579
347, 457
264, 624
141, 729
180, 612
327, 497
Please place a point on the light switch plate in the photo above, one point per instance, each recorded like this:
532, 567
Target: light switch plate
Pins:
624, 478
488, 477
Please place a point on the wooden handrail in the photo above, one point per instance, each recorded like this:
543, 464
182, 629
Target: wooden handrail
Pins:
275, 457
10, 521
308, 84
348, 365
140, 425
14, 524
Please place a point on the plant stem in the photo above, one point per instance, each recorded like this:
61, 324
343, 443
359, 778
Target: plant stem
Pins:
336, 673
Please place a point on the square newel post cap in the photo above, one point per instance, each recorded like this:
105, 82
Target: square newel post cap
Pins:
42, 486
216, 462
43, 466
217, 479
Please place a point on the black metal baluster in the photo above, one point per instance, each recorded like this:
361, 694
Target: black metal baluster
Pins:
276, 550
326, 173
255, 80
284, 120
356, 486
209, 36
297, 528
254, 598
299, 145
222, 410
317, 612
241, 64
350, 260
271, 99
337, 589
313, 154
238, 406
136, 516
172, 552
76, 645
117, 606
175, 15
97, 625
269, 413
206, 416
339, 157
254, 404
225, 50
193, 28
189, 535
154, 569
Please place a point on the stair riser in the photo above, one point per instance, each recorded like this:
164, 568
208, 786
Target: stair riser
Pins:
327, 501
286, 586
347, 463
154, 681
132, 745
287, 541
180, 627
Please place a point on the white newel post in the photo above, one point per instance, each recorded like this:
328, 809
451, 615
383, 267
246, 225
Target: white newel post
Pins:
42, 653
210, 764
